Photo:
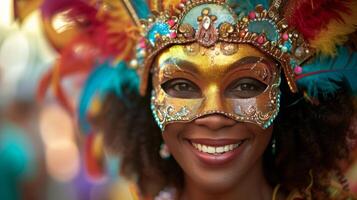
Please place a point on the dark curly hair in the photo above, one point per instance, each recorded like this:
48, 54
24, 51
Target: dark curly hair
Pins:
309, 137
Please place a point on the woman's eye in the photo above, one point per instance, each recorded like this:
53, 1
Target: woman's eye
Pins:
245, 88
181, 88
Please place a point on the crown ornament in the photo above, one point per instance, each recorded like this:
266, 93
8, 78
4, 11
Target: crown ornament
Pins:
207, 22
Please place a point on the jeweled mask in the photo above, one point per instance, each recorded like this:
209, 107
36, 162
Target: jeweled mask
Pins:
208, 22
235, 80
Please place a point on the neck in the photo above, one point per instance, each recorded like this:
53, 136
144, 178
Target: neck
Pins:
253, 186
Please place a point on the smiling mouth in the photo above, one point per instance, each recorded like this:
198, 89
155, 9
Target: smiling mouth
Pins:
216, 149
216, 152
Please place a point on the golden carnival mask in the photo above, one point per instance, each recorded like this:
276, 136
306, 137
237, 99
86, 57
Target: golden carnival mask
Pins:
235, 80
208, 37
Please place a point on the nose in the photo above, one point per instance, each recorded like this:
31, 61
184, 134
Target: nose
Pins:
215, 121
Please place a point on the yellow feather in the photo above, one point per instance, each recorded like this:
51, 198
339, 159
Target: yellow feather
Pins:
336, 32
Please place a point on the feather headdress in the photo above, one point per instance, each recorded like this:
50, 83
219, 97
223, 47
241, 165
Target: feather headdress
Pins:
326, 24
323, 24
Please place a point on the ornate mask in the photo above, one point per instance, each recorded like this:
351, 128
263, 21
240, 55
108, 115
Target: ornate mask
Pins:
224, 50
210, 21
235, 80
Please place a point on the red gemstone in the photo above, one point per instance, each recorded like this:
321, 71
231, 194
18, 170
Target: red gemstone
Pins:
252, 15
173, 35
261, 39
285, 36
298, 70
171, 22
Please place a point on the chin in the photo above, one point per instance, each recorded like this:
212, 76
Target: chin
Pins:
215, 182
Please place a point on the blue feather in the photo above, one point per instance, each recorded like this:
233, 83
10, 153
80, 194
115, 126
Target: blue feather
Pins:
104, 79
141, 8
324, 73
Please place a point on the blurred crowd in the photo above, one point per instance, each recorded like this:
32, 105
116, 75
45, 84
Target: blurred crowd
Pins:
42, 153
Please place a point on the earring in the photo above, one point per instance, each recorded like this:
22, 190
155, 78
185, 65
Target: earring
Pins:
273, 146
164, 151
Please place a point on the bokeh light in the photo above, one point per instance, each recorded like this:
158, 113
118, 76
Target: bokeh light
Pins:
61, 152
62, 160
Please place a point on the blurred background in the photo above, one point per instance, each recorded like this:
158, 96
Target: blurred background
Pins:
43, 154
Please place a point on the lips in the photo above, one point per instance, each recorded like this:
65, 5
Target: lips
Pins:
215, 152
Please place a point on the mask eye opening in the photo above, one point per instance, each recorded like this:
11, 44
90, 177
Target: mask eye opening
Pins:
245, 88
181, 88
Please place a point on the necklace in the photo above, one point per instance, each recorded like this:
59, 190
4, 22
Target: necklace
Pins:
275, 192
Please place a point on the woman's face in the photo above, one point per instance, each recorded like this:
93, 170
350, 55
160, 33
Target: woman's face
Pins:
216, 145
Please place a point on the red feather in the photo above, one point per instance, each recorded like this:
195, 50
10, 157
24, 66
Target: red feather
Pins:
310, 17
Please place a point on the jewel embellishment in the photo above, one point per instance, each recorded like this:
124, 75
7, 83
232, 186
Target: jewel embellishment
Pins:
206, 22
207, 34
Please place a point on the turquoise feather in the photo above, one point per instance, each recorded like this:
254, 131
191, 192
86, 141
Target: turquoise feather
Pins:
141, 8
323, 74
104, 79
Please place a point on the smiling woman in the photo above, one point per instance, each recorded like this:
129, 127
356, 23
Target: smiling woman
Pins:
242, 106
215, 148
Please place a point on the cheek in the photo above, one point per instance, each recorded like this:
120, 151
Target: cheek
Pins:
172, 136
261, 138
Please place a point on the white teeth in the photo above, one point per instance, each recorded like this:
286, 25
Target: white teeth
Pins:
204, 148
211, 149
219, 149
226, 148
216, 150
231, 147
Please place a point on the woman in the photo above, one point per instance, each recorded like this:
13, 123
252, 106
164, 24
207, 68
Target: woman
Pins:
217, 157
247, 99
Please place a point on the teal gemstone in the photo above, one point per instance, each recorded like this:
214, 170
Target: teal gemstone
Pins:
266, 27
288, 45
284, 49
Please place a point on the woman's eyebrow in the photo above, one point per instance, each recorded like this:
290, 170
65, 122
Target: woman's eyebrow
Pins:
183, 65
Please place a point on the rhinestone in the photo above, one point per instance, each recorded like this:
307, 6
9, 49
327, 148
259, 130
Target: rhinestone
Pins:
299, 52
